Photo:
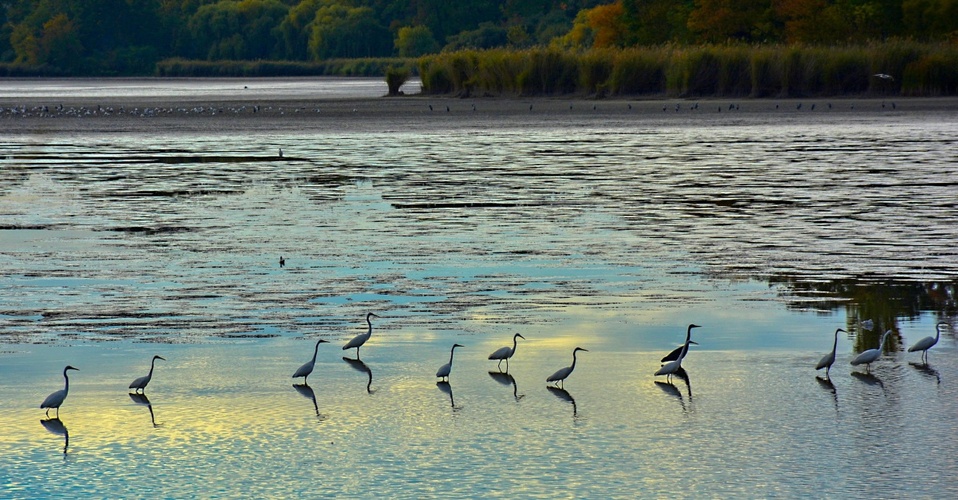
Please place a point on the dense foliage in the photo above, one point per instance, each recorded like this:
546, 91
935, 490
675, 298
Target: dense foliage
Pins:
131, 36
923, 69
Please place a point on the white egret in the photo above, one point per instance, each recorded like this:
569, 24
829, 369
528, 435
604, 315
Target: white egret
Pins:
446, 368
563, 373
361, 339
140, 383
307, 368
672, 367
829, 359
504, 353
867, 357
927, 343
56, 399
884, 76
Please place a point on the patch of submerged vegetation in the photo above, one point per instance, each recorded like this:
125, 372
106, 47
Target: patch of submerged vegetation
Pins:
912, 69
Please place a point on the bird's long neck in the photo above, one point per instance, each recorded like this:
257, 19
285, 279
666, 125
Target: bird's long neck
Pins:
370, 323
937, 332
66, 382
515, 342
451, 352
881, 346
835, 344
573, 359
152, 364
315, 351
685, 347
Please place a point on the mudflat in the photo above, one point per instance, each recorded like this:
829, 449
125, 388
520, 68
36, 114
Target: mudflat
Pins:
68, 114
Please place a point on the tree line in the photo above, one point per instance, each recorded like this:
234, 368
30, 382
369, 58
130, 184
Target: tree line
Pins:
126, 37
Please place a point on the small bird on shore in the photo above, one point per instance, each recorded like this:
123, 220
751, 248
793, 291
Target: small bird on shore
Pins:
282, 261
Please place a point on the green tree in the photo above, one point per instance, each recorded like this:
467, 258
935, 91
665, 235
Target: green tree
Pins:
414, 41
725, 20
652, 22
342, 31
931, 19
245, 29
59, 45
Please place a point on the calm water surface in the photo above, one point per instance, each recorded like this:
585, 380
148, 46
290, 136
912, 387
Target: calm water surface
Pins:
610, 233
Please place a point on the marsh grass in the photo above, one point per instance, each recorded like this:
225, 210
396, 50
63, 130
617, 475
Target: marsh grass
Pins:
919, 69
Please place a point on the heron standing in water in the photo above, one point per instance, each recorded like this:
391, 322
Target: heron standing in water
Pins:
56, 399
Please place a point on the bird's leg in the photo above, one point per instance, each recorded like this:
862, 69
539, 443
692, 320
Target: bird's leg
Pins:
499, 366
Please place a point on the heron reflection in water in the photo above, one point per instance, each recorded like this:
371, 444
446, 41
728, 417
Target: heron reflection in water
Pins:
141, 399
869, 379
507, 379
444, 386
358, 365
671, 389
826, 383
307, 392
926, 370
565, 396
55, 425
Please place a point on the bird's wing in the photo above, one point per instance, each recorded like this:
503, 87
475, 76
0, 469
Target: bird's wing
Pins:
500, 353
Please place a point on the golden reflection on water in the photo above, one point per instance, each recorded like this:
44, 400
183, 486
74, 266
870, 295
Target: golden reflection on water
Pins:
230, 422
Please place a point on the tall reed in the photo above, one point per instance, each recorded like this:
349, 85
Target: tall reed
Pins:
699, 71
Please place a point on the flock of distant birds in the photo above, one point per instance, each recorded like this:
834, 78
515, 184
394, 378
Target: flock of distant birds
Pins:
671, 362
60, 110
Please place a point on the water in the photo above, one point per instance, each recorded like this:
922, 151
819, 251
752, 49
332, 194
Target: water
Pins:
611, 231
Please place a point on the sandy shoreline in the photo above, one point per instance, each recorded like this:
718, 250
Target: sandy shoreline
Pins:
145, 114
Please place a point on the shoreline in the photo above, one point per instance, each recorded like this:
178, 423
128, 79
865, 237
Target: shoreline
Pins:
209, 113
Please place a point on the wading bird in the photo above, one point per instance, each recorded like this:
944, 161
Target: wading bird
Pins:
56, 399
829, 359
559, 376
927, 343
361, 339
672, 367
444, 370
504, 353
140, 383
674, 355
867, 357
307, 368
